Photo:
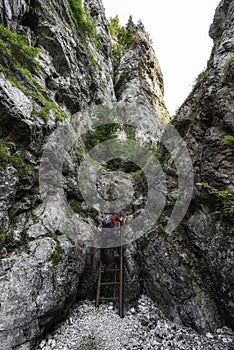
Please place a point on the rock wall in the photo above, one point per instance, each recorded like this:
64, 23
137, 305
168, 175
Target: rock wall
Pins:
189, 272
56, 69
76, 82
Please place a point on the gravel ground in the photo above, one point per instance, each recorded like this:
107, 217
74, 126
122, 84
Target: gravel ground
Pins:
144, 327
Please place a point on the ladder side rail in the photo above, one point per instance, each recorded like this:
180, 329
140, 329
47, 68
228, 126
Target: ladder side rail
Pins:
99, 284
121, 276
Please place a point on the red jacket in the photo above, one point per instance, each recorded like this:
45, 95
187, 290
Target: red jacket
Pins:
116, 218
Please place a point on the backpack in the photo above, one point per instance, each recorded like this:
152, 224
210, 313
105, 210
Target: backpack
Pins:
108, 220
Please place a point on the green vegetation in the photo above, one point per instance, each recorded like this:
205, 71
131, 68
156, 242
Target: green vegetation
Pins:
47, 107
18, 63
115, 27
110, 131
6, 238
128, 153
16, 48
94, 62
217, 42
151, 146
75, 205
200, 78
162, 232
188, 125
57, 255
104, 133
123, 37
226, 66
82, 19
224, 201
116, 51
229, 139
100, 134
17, 160
123, 165
86, 27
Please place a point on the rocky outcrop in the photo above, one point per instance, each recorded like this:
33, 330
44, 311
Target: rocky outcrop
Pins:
12, 12
190, 271
18, 126
60, 66
139, 90
37, 287
65, 88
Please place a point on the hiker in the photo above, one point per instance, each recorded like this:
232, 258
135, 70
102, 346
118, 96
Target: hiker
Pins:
109, 221
116, 218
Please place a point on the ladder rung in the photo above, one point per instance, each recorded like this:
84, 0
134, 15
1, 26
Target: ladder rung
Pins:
109, 283
108, 298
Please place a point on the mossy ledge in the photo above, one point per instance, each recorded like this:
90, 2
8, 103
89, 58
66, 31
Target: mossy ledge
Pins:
19, 64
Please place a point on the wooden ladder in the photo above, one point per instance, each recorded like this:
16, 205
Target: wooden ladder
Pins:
114, 286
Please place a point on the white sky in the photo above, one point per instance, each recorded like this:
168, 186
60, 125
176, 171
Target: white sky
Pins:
179, 31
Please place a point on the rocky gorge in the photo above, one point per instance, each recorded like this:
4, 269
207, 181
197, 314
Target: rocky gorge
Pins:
70, 81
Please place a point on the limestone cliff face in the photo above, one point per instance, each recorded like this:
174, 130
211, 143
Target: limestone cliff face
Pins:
67, 74
190, 272
58, 66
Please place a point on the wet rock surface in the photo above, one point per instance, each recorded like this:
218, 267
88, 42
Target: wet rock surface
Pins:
144, 327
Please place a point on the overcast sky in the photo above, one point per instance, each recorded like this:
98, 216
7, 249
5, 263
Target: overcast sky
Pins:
179, 31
